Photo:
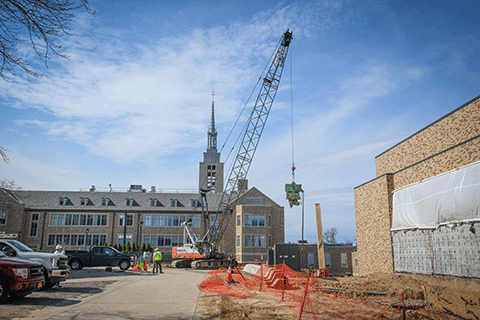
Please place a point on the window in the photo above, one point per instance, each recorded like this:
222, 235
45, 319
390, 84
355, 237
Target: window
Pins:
195, 203
129, 220
155, 203
328, 261
120, 239
85, 202
344, 259
211, 177
356, 262
213, 223
269, 220
34, 225
107, 202
238, 220
129, 202
175, 203
254, 241
64, 201
252, 220
196, 221
239, 238
270, 242
253, 201
51, 240
3, 218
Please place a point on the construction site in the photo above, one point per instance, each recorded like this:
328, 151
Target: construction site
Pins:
417, 225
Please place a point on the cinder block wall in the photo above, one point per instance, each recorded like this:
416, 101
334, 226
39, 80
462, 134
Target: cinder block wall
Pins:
373, 214
456, 127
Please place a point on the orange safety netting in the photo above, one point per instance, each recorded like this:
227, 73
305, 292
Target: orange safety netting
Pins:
306, 297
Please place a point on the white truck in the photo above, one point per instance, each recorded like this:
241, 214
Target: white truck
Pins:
55, 266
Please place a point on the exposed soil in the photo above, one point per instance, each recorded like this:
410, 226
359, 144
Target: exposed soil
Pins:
378, 296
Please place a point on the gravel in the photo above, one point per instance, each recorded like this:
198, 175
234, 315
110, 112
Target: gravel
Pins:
79, 285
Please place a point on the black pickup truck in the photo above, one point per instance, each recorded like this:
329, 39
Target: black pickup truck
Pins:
98, 256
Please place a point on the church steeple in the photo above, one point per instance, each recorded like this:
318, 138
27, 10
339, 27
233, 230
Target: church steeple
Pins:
212, 155
212, 133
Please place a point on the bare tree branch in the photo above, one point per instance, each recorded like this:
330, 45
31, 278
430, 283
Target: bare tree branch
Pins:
9, 184
3, 153
39, 22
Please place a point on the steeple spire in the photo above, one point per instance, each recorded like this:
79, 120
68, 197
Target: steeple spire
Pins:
212, 133
212, 155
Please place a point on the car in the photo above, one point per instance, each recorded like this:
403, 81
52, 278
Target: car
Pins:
19, 277
55, 266
99, 256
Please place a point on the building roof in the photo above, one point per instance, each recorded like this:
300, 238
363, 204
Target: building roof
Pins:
49, 200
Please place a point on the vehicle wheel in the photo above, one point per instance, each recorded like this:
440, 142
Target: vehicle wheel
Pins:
3, 289
49, 285
198, 264
76, 264
124, 265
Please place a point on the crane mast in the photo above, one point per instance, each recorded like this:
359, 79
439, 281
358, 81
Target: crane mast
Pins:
251, 137
207, 247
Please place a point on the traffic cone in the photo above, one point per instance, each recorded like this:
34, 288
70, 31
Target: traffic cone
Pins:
136, 267
229, 277
145, 265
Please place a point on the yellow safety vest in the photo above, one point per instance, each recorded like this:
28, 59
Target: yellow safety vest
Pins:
157, 255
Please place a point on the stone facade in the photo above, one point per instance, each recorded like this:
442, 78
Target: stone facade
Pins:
448, 143
253, 238
12, 215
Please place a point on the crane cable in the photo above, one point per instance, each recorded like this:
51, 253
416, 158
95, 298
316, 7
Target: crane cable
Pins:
291, 118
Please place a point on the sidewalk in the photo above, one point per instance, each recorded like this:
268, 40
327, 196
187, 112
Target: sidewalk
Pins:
172, 295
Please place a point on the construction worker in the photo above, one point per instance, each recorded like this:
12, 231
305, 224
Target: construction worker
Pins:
233, 261
157, 261
59, 249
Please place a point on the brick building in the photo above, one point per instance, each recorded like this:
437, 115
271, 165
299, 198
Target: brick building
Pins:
77, 219
449, 143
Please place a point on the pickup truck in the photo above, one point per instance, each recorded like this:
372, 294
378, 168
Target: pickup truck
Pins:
55, 267
19, 277
98, 256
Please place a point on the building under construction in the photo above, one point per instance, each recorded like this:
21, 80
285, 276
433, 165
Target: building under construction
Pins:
421, 214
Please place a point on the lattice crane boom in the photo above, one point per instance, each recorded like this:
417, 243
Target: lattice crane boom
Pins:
251, 137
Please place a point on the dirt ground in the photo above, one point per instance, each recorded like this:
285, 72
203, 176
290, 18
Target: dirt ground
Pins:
378, 296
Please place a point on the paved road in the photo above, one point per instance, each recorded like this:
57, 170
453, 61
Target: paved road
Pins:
172, 295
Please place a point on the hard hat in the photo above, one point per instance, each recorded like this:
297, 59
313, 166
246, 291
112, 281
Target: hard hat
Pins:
58, 247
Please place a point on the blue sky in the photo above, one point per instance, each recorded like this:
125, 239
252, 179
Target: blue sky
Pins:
132, 104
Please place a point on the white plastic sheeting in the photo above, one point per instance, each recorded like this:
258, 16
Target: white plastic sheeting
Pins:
447, 198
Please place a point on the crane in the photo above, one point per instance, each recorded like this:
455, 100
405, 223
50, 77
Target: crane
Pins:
203, 252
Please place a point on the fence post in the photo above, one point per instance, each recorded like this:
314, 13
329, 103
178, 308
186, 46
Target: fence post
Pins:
261, 276
304, 298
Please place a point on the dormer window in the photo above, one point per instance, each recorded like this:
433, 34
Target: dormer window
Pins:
195, 203
130, 202
64, 201
85, 202
107, 202
155, 203
174, 203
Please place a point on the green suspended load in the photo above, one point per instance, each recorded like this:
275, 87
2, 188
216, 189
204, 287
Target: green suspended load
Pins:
293, 193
